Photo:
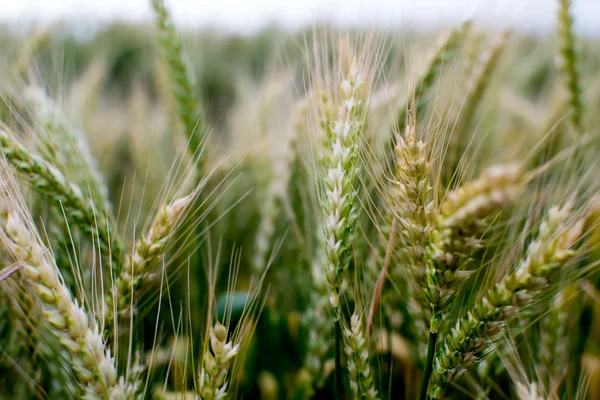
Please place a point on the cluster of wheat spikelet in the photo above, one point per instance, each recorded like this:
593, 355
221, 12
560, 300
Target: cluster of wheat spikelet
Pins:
349, 231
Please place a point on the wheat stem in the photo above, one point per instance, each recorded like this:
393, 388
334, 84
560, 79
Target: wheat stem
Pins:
428, 366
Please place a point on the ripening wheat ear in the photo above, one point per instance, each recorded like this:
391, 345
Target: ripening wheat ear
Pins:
34, 42
181, 79
342, 118
461, 222
534, 276
553, 346
29, 335
216, 361
68, 150
412, 207
66, 195
140, 269
463, 218
340, 167
94, 367
225, 344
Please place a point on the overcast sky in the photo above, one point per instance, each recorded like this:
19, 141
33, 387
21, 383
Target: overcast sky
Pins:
249, 15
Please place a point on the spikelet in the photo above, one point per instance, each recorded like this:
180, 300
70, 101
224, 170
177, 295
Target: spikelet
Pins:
45, 354
416, 216
412, 210
319, 322
462, 220
474, 334
132, 385
339, 164
553, 346
360, 373
342, 124
140, 269
414, 206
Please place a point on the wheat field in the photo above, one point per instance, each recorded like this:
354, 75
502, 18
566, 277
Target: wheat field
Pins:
326, 214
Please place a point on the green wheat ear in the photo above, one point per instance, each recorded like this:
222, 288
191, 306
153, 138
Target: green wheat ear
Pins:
180, 76
568, 63
64, 194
